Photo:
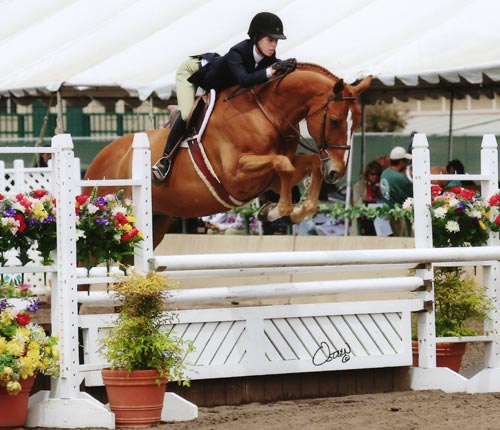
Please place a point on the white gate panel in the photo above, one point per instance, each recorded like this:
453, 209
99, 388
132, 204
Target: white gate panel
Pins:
264, 340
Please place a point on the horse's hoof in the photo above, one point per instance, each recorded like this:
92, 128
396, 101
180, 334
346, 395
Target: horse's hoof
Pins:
263, 214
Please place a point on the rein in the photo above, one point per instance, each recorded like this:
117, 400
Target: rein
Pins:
317, 149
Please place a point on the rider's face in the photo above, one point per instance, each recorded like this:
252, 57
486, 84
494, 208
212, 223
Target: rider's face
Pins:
267, 46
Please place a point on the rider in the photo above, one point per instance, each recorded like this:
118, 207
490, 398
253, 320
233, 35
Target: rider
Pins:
250, 62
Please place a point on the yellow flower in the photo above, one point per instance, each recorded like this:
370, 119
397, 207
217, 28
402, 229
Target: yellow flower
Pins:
131, 219
40, 211
482, 225
13, 388
15, 348
6, 317
3, 345
55, 352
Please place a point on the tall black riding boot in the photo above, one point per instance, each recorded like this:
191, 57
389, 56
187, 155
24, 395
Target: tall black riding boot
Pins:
162, 167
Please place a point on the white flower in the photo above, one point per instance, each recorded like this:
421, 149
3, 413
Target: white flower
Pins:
452, 227
440, 212
453, 202
92, 209
117, 209
80, 234
475, 214
408, 204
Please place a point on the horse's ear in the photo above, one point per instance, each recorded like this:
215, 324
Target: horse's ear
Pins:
338, 87
362, 86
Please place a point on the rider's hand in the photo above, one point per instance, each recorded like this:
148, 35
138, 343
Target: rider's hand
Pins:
285, 66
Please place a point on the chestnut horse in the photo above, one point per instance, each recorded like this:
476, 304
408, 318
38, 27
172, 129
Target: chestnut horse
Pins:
251, 141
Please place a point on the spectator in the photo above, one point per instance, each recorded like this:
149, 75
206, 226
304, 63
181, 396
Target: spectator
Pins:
367, 191
396, 188
42, 159
456, 167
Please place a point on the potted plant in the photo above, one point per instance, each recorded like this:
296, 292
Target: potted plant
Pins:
459, 218
25, 351
142, 351
460, 304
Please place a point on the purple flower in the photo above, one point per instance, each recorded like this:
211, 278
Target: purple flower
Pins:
33, 305
9, 212
101, 201
33, 222
101, 221
3, 304
47, 220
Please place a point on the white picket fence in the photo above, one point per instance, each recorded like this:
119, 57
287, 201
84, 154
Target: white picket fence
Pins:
260, 340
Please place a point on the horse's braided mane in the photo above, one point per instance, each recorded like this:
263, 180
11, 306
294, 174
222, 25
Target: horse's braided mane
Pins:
316, 68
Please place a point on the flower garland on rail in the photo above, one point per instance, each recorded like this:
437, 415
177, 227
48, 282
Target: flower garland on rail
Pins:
460, 216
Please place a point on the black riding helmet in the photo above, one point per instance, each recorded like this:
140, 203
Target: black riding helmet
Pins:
268, 24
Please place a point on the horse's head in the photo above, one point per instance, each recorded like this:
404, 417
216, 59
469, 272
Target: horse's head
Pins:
331, 121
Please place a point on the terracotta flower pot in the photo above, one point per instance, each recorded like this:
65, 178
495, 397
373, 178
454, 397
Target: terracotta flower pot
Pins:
135, 398
14, 409
447, 354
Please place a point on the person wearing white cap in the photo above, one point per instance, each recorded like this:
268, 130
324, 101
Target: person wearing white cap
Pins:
396, 188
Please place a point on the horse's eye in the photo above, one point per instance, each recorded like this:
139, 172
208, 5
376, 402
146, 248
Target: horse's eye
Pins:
334, 122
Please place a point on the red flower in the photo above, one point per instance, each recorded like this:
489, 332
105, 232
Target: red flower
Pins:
82, 199
436, 190
497, 220
121, 219
456, 190
23, 318
2, 196
130, 235
22, 223
494, 200
467, 194
39, 193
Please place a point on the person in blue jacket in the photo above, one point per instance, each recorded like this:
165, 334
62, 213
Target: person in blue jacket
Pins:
250, 62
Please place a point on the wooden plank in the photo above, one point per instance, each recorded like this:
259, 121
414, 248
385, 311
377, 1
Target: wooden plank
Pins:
235, 391
291, 386
273, 388
231, 349
401, 379
383, 380
347, 382
309, 385
329, 384
277, 339
365, 383
254, 389
215, 392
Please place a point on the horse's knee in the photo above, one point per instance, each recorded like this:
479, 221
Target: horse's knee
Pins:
283, 165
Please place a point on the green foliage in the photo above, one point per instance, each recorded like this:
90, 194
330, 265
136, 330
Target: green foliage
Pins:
140, 340
384, 117
458, 300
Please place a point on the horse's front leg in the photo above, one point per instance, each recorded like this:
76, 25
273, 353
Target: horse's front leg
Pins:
305, 165
251, 165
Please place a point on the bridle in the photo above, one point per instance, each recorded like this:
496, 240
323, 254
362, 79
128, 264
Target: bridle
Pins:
320, 149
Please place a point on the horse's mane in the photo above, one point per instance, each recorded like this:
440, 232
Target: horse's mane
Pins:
316, 68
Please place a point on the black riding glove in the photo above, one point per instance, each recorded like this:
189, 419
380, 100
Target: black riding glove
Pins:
285, 66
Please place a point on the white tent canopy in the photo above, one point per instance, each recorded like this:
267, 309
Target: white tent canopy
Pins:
132, 48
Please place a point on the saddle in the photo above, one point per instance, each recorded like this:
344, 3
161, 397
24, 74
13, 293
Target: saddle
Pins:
197, 119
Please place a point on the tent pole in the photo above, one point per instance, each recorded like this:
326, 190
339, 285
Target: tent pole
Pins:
363, 135
450, 128
151, 113
60, 124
